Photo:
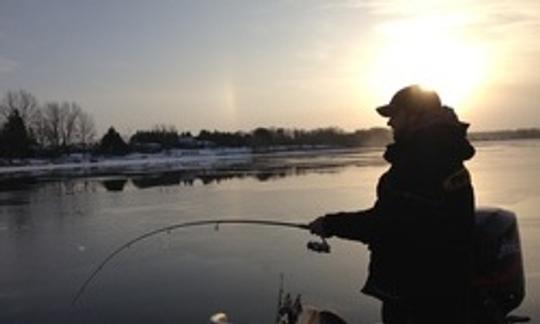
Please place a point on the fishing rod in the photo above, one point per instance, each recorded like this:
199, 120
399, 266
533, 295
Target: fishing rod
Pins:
321, 247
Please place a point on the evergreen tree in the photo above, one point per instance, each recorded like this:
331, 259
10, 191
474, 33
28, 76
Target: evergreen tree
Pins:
263, 137
15, 141
112, 143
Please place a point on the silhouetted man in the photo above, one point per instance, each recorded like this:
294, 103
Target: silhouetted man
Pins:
419, 231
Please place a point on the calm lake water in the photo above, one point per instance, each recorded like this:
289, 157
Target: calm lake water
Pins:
54, 232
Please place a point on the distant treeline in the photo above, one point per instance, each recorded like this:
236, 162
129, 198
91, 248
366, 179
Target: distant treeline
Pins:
162, 137
331, 136
30, 129
505, 134
167, 137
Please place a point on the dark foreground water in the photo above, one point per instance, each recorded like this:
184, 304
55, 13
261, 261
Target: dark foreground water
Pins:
53, 233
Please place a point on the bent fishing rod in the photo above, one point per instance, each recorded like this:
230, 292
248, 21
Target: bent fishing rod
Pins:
320, 247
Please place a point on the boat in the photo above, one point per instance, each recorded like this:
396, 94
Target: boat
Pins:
499, 280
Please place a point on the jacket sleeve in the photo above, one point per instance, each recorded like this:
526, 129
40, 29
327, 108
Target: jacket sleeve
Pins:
357, 226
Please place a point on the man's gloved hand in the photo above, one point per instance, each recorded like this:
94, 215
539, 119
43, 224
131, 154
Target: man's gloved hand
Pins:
317, 227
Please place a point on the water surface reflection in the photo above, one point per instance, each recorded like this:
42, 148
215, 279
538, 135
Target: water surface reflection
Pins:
53, 232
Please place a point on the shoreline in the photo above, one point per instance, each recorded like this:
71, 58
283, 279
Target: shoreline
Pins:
85, 165
155, 163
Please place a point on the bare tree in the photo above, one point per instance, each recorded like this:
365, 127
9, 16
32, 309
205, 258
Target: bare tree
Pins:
53, 120
55, 124
64, 124
40, 129
24, 103
70, 113
86, 129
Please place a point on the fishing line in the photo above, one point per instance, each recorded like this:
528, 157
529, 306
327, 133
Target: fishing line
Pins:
316, 246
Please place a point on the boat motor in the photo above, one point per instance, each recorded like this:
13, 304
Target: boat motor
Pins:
499, 281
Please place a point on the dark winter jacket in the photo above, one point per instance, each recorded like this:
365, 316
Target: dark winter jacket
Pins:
419, 231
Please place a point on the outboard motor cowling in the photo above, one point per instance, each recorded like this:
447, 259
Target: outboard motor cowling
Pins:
499, 276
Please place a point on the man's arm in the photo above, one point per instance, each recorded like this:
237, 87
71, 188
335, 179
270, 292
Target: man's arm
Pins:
357, 226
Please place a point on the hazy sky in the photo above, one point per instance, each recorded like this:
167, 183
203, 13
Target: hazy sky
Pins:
241, 64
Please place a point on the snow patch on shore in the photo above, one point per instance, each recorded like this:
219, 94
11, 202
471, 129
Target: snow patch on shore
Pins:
172, 161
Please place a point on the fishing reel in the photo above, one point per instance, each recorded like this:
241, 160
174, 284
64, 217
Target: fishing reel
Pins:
319, 246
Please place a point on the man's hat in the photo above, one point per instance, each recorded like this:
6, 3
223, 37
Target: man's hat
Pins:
413, 99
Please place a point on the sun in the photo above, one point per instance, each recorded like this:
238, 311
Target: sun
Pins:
428, 53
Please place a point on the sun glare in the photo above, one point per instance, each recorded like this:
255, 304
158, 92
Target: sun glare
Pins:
426, 52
